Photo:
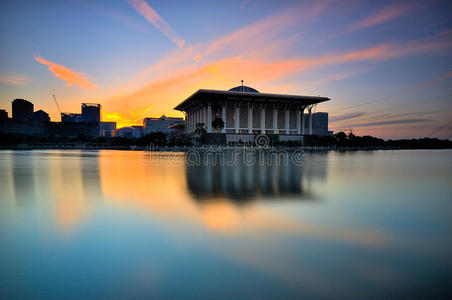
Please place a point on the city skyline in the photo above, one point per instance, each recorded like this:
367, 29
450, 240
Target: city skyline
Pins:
387, 67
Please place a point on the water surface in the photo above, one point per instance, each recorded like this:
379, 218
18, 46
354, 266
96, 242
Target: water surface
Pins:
124, 224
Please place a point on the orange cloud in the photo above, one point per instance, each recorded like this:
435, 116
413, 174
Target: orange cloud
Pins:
66, 74
155, 19
198, 57
13, 78
381, 16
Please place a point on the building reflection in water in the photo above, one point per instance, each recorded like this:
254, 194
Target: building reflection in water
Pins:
71, 182
23, 175
90, 171
66, 185
228, 174
75, 186
67, 181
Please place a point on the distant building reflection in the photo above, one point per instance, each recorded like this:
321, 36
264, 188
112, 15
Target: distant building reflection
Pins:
23, 177
90, 171
67, 180
76, 185
241, 182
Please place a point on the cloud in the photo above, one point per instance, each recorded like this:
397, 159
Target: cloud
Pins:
66, 74
440, 128
378, 119
173, 61
330, 77
166, 91
381, 16
257, 53
113, 14
14, 78
155, 19
433, 81
391, 122
263, 34
198, 57
348, 116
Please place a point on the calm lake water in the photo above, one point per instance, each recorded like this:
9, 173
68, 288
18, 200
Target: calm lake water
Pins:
127, 225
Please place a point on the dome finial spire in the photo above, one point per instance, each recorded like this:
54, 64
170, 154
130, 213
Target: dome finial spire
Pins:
242, 85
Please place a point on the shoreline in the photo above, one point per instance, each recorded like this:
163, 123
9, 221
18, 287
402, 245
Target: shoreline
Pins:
200, 148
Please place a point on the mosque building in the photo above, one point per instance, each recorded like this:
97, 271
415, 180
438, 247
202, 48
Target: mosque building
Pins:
247, 112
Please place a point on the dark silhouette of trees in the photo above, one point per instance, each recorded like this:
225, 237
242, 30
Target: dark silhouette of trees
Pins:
154, 138
218, 124
200, 129
339, 140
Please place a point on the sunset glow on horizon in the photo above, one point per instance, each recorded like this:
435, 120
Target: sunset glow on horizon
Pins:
385, 65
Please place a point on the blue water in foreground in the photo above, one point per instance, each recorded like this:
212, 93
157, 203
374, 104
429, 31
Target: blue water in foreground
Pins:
130, 225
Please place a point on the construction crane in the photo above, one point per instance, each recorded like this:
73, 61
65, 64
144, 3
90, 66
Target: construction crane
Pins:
56, 102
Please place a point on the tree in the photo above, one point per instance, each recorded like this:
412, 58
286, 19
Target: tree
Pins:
218, 124
154, 138
341, 138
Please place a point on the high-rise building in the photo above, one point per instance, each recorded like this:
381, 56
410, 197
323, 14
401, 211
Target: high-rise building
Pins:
72, 129
41, 116
22, 109
3, 115
71, 118
319, 123
91, 112
107, 129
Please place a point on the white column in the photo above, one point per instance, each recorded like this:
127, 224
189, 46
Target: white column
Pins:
237, 118
275, 119
204, 115
209, 118
286, 119
223, 116
303, 125
310, 121
299, 121
187, 122
263, 118
250, 118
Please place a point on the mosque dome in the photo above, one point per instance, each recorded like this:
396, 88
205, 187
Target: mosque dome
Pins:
243, 88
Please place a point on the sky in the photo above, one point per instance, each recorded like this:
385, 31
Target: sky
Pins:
386, 65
